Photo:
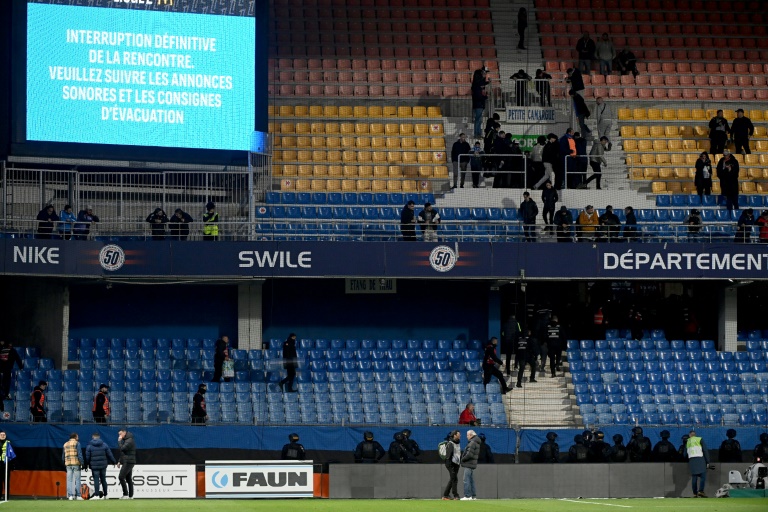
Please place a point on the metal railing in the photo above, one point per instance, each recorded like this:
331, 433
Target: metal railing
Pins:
492, 164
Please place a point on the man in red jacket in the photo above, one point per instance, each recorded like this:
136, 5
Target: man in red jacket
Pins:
467, 416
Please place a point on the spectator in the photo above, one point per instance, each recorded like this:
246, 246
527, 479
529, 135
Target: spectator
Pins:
741, 130
492, 133
552, 161
293, 450
127, 462
290, 363
539, 171
100, 409
486, 454
604, 113
549, 197
452, 464
693, 221
563, 221
476, 164
585, 47
605, 53
761, 221
84, 220
597, 161
469, 463
610, 224
698, 460
500, 147
543, 87
72, 457
744, 227
513, 165
490, 360
467, 416
479, 97
8, 358
199, 412
222, 350
492, 124
588, 222
630, 225
429, 220
66, 222
210, 222
37, 405
549, 451
522, 24
581, 111
98, 456
408, 221
528, 213
46, 219
526, 353
521, 79
581, 160
567, 149
576, 80
228, 368
460, 148
627, 62
703, 177
369, 451
718, 133
157, 221
728, 173
179, 224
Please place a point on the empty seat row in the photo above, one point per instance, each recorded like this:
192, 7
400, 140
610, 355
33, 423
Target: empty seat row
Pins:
688, 187
683, 200
405, 157
462, 65
672, 78
350, 199
643, 114
398, 14
373, 39
402, 91
374, 77
644, 344
144, 343
377, 176
295, 50
675, 93
358, 111
684, 131
332, 130
384, 28
351, 145
661, 354
351, 185
685, 62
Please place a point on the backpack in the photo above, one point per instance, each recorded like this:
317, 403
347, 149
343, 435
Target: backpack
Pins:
442, 449
85, 492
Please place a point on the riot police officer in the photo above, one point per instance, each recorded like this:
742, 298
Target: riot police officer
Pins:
761, 450
554, 341
730, 449
410, 444
664, 451
526, 351
587, 436
578, 452
549, 451
618, 450
486, 454
599, 450
368, 451
293, 450
639, 446
682, 452
398, 451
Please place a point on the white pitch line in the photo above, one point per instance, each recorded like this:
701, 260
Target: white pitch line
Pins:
594, 503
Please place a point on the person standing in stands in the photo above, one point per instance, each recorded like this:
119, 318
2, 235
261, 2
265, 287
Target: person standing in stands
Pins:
98, 456
528, 213
408, 221
522, 24
72, 457
490, 360
67, 222
585, 47
744, 227
730, 449
703, 177
741, 130
555, 343
698, 460
8, 358
290, 362
728, 173
469, 463
694, 223
452, 464
536, 171
84, 220
582, 112
37, 403
199, 413
567, 149
479, 98
563, 224
429, 220
630, 233
610, 224
46, 220
127, 461
543, 87
605, 53
368, 451
597, 161
604, 114
460, 148
762, 222
476, 164
588, 223
509, 341
576, 80
210, 222
293, 450
157, 221
526, 353
718, 133
100, 409
179, 224
553, 162
581, 160
521, 79
486, 454
222, 350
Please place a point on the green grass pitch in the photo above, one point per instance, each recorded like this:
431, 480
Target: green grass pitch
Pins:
320, 505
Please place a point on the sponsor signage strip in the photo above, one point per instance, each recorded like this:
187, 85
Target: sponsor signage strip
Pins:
154, 481
258, 479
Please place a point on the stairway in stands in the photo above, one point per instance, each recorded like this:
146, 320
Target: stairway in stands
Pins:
545, 403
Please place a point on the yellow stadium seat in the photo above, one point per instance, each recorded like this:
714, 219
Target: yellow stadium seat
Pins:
645, 145
363, 142
375, 111
393, 142
348, 141
674, 187
662, 159
419, 111
625, 114
409, 186
690, 159
287, 128
390, 111
317, 128
428, 157
421, 129
761, 145
334, 142
288, 142
289, 155
689, 145
658, 187
319, 170
303, 142
637, 174
334, 156
316, 111
756, 115
285, 110
333, 185
330, 111
363, 185
675, 145
680, 172
411, 171
379, 186
425, 186
271, 110
404, 111
630, 145
755, 174
742, 174
349, 156
698, 114
441, 171
716, 187
394, 185
763, 159
394, 157
669, 114
332, 128
392, 129
380, 142
716, 159
739, 158
406, 129
305, 170
654, 113
360, 111
701, 131
686, 131
761, 132
364, 156
437, 143
346, 111
762, 188
688, 188
659, 145
317, 185
318, 142
627, 131
748, 187
348, 185
711, 113
648, 159
277, 169
676, 158
287, 184
426, 171
362, 128
752, 159
702, 145
315, 156
642, 131
379, 156
683, 114
434, 112
422, 143
303, 185
665, 173
347, 128
376, 129
277, 156
380, 171
671, 131
436, 129
394, 171
301, 111
365, 171
271, 128
408, 142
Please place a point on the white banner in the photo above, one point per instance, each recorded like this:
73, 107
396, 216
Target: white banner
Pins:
528, 115
259, 479
152, 481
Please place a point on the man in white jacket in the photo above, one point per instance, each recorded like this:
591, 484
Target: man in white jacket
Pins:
604, 113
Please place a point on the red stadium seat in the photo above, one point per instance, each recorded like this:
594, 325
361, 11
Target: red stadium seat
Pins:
658, 93
686, 81
683, 67
761, 94
674, 93
748, 94
615, 92
733, 94
718, 94
716, 80
689, 94
645, 94
671, 80
704, 94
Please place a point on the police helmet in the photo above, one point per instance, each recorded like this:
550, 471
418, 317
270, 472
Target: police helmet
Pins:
730, 433
294, 438
665, 434
764, 437
399, 437
599, 435
618, 438
551, 436
406, 433
481, 435
368, 435
587, 435
638, 431
578, 439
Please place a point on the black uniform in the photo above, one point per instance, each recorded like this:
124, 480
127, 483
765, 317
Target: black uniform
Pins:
555, 343
718, 135
8, 358
289, 362
742, 129
37, 405
578, 452
730, 451
486, 454
682, 452
398, 452
639, 448
599, 451
664, 451
563, 221
410, 444
157, 221
369, 452
293, 451
761, 450
509, 340
199, 413
618, 450
179, 225
218, 359
407, 226
527, 349
490, 360
549, 451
